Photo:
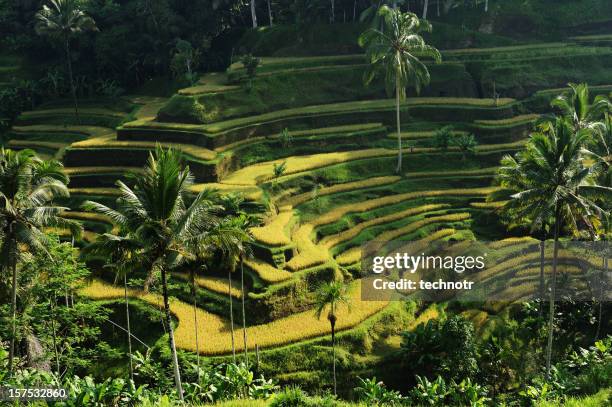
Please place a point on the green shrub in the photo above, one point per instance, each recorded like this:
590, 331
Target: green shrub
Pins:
374, 393
432, 393
292, 396
447, 348
440, 393
250, 64
466, 143
443, 138
185, 109
593, 366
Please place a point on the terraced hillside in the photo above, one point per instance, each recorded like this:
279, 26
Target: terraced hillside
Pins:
334, 138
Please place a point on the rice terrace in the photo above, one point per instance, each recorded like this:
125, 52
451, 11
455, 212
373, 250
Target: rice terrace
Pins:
191, 194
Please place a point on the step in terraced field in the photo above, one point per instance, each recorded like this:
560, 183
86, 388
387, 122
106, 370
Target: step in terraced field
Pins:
262, 172
52, 132
352, 257
98, 177
108, 152
280, 332
320, 136
295, 200
44, 149
94, 116
231, 131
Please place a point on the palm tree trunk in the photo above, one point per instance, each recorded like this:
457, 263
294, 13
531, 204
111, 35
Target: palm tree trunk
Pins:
127, 319
244, 332
195, 321
270, 14
354, 10
486, 6
399, 132
54, 336
553, 292
177, 373
253, 14
601, 291
13, 262
542, 256
71, 78
229, 282
333, 335
425, 8
438, 7
333, 11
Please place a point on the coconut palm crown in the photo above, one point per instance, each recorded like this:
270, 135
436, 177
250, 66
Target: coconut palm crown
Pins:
394, 51
28, 190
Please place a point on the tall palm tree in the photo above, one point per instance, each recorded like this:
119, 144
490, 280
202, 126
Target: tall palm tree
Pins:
28, 189
226, 237
270, 18
577, 107
157, 213
557, 184
329, 297
395, 52
121, 252
254, 13
239, 222
62, 20
600, 149
243, 224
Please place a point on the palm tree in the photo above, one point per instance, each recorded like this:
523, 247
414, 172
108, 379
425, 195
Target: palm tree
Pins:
253, 14
156, 213
64, 19
577, 107
600, 149
396, 52
330, 296
28, 188
239, 222
122, 252
557, 184
425, 9
466, 143
243, 225
228, 236
270, 14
